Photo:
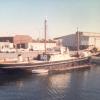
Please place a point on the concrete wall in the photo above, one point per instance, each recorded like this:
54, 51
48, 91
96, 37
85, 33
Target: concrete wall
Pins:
40, 46
84, 40
90, 41
6, 47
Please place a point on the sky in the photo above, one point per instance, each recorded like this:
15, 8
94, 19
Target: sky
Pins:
63, 17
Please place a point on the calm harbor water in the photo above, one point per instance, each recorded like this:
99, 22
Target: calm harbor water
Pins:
74, 85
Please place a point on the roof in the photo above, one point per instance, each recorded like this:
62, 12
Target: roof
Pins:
64, 36
91, 34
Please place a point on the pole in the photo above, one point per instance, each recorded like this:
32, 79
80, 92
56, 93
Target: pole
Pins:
78, 42
45, 34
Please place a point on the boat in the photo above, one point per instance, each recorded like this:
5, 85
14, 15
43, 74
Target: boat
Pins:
40, 71
47, 61
60, 61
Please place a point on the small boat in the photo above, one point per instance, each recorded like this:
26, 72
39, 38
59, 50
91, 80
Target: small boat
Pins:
40, 71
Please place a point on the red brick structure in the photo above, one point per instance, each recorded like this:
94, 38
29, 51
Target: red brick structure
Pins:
19, 41
26, 42
22, 39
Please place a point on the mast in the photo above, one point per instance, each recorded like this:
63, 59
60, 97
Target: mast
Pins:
78, 40
45, 33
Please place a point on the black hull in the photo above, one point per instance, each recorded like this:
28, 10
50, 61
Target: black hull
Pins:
51, 66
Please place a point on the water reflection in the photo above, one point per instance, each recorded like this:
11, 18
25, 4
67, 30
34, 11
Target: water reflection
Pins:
20, 84
13, 78
74, 85
60, 81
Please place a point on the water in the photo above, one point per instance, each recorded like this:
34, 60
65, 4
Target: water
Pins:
74, 85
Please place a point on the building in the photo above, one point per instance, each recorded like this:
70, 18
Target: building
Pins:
41, 46
89, 39
19, 41
6, 39
6, 47
24, 42
86, 39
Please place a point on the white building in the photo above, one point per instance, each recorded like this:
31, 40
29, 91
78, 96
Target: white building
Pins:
86, 39
23, 43
40, 45
9, 47
90, 39
6, 47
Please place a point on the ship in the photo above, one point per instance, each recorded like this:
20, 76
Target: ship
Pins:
49, 61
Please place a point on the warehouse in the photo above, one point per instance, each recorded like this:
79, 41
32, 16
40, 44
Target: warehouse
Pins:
86, 39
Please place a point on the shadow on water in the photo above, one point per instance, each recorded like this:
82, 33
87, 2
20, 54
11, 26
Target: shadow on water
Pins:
54, 86
13, 76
